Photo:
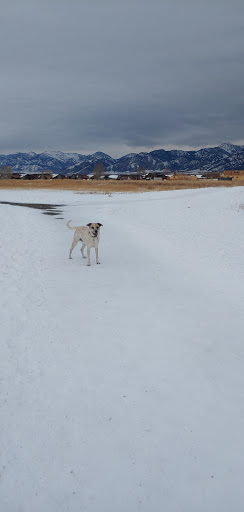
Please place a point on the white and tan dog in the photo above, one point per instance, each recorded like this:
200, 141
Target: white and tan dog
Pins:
89, 235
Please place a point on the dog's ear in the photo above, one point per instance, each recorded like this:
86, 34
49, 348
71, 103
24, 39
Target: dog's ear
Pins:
100, 224
90, 223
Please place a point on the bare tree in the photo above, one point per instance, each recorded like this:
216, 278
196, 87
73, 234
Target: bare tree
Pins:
5, 172
98, 170
140, 170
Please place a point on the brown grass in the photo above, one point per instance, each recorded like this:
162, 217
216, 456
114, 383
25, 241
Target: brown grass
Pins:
107, 187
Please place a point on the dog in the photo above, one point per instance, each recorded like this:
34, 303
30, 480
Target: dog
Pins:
89, 235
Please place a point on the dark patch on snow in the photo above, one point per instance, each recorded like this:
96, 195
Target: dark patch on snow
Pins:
49, 209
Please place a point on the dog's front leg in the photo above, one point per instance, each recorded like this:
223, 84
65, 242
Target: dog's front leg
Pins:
74, 243
88, 255
82, 250
97, 259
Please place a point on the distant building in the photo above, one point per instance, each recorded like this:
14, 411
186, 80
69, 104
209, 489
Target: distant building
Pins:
183, 176
16, 176
233, 174
28, 176
45, 176
59, 176
212, 175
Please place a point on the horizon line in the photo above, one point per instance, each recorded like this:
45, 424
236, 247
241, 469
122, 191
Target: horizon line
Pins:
187, 149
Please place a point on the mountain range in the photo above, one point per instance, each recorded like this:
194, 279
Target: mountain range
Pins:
225, 156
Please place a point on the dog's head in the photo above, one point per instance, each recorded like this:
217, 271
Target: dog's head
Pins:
94, 228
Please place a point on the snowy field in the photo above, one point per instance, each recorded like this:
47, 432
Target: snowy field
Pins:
122, 384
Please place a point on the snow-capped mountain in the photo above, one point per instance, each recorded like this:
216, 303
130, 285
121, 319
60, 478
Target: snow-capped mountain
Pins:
86, 165
226, 156
34, 162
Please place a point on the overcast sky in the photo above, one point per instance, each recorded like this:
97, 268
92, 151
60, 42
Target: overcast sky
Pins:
120, 75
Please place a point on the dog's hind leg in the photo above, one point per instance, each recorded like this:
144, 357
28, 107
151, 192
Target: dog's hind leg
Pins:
74, 243
82, 250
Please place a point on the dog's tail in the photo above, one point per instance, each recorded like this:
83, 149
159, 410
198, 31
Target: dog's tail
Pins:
70, 227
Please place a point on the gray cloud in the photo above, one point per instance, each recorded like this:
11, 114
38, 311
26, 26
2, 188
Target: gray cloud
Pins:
119, 75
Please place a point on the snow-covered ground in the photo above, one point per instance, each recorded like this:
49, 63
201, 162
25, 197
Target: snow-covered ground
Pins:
122, 384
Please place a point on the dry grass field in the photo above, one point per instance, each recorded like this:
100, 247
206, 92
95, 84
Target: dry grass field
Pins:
111, 186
